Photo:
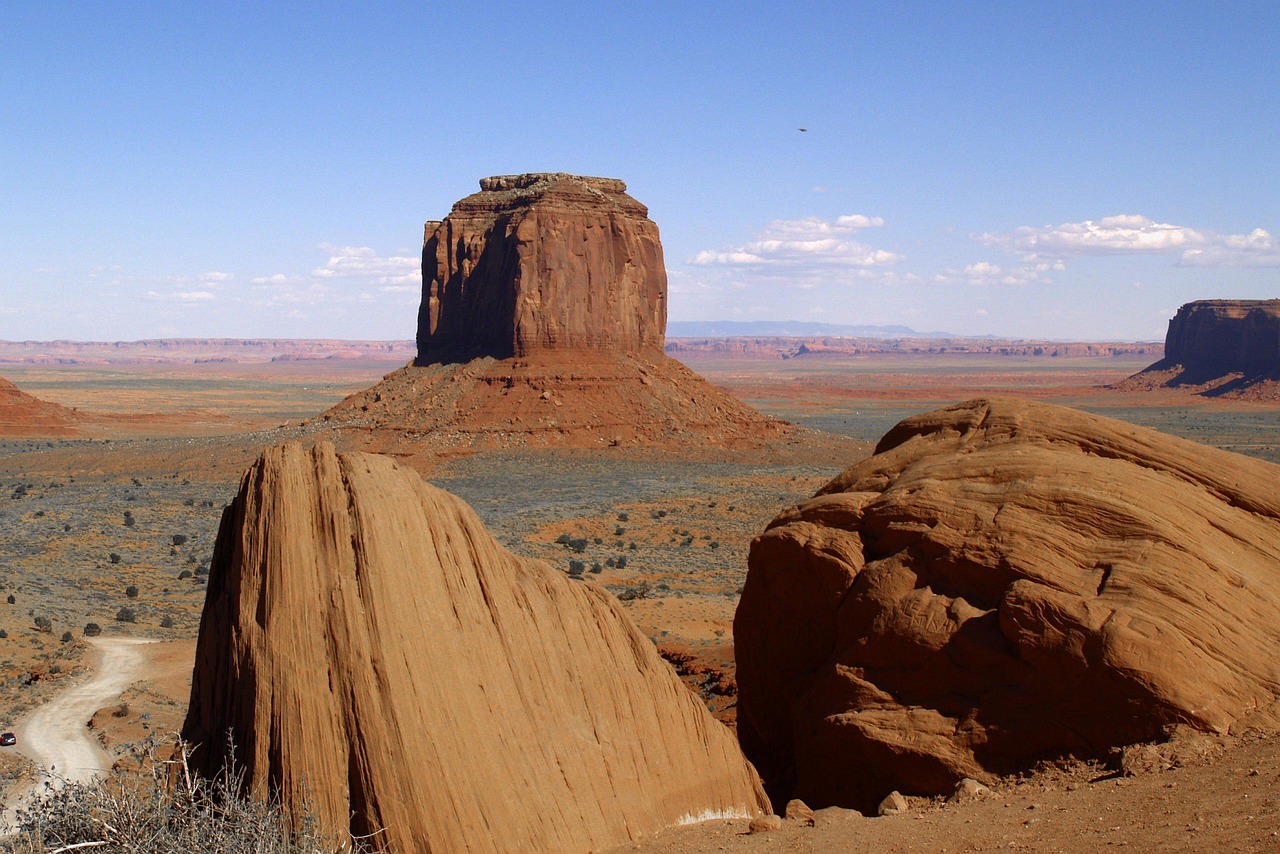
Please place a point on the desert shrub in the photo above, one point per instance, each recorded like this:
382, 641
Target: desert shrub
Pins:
713, 545
578, 545
92, 630
619, 531
129, 521
166, 622
639, 591
661, 514
624, 517
186, 573
10, 599
3, 634
113, 557
621, 562
179, 539
66, 526
126, 615
563, 539
576, 567
597, 568
170, 809
131, 591
632, 546
44, 624
67, 637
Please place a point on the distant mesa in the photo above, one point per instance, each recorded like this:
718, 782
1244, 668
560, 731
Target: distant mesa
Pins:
379, 658
1003, 582
22, 414
542, 321
1219, 348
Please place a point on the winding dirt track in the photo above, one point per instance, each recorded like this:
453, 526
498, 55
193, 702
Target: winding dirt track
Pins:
55, 736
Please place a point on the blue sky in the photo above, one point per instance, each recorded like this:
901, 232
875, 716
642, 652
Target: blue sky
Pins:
1062, 170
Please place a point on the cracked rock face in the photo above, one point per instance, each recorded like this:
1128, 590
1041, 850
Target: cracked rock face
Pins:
383, 663
1004, 581
542, 262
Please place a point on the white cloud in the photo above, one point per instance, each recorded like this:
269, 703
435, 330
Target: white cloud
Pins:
986, 273
809, 244
181, 296
216, 277
1258, 248
1113, 234
277, 279
362, 262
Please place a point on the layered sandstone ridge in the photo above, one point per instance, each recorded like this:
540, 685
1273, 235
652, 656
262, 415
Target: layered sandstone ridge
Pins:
542, 261
1004, 581
379, 657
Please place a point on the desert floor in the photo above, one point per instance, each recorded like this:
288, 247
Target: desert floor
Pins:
116, 527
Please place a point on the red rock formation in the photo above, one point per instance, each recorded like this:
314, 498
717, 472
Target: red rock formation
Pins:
380, 658
544, 261
1226, 335
1005, 581
22, 414
1219, 348
542, 318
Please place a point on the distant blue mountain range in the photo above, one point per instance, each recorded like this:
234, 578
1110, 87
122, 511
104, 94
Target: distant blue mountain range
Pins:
787, 329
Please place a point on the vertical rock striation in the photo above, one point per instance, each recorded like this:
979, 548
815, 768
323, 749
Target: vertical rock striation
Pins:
1226, 335
542, 261
379, 658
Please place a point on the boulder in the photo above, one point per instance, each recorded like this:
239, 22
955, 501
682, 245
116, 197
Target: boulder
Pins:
542, 261
1004, 581
380, 661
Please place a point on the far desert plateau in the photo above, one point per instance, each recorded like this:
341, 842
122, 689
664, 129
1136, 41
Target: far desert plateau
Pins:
547, 579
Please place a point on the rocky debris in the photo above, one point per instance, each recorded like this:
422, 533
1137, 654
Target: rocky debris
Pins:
543, 261
1004, 581
22, 414
1219, 348
968, 789
798, 813
765, 824
541, 325
1185, 747
380, 660
893, 804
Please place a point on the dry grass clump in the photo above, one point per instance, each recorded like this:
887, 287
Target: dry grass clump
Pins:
137, 814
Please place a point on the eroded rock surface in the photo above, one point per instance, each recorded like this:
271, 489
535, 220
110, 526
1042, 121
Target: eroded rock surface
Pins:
380, 658
1004, 581
1227, 335
541, 325
542, 261
1219, 348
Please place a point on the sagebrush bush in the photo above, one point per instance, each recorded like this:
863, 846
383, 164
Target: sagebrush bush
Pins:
169, 810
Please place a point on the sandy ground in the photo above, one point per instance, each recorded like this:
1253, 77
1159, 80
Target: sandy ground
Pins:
55, 736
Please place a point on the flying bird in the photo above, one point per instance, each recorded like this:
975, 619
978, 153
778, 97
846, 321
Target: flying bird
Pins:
803, 130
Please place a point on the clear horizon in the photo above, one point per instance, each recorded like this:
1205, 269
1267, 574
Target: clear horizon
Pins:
1002, 169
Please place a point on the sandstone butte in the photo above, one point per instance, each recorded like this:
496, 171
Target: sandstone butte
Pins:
1004, 581
22, 414
1220, 348
376, 655
542, 323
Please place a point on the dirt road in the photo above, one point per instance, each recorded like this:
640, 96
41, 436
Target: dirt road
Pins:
55, 736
